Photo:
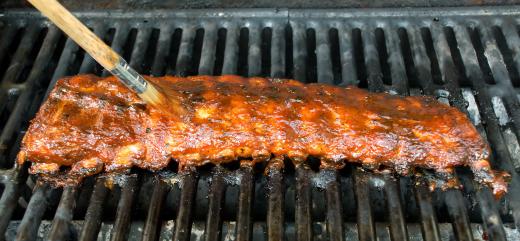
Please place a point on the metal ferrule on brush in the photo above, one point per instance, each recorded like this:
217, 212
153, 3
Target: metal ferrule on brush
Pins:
129, 76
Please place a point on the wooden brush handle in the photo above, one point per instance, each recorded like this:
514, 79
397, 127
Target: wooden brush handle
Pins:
85, 38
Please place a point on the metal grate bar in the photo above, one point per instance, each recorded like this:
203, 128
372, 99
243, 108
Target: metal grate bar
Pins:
10, 196
189, 178
299, 52
209, 47
429, 223
254, 57
139, 50
514, 198
423, 67
398, 229
420, 58
19, 60
334, 208
510, 100
161, 54
501, 75
512, 39
28, 228
348, 63
93, 216
303, 203
88, 63
8, 34
185, 55
216, 196
152, 223
68, 55
33, 82
245, 204
323, 56
275, 200
365, 219
231, 50
124, 207
458, 214
61, 228
21, 55
494, 57
366, 227
453, 198
151, 227
449, 73
278, 51
396, 62
513, 109
130, 188
474, 73
374, 74
184, 215
491, 218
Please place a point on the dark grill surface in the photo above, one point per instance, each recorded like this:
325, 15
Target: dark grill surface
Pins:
467, 57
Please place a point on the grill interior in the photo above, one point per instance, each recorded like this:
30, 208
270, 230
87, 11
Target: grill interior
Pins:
466, 57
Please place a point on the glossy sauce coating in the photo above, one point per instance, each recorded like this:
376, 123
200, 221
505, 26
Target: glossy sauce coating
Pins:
94, 124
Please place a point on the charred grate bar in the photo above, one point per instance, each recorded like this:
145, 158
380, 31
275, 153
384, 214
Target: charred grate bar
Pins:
467, 57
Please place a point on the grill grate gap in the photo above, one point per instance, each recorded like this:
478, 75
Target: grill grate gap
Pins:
430, 51
197, 51
243, 49
482, 60
73, 68
464, 81
383, 56
359, 57
312, 62
174, 51
378, 199
220, 52
507, 55
335, 55
411, 71
146, 65
11, 49
265, 49
129, 45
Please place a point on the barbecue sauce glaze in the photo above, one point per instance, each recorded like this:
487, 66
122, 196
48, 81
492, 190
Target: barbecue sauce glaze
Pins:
93, 124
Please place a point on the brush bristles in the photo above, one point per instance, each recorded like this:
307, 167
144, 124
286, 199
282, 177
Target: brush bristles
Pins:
157, 99
152, 96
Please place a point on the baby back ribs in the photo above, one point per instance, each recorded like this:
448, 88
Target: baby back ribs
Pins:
91, 124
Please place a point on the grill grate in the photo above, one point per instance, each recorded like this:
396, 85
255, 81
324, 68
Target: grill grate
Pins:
467, 57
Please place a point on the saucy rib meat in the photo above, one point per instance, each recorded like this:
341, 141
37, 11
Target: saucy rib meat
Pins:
91, 124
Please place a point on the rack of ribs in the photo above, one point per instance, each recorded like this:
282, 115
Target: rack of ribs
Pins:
90, 124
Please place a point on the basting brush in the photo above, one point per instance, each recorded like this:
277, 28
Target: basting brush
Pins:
106, 56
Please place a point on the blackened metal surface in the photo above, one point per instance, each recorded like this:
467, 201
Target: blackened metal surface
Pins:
466, 57
184, 4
